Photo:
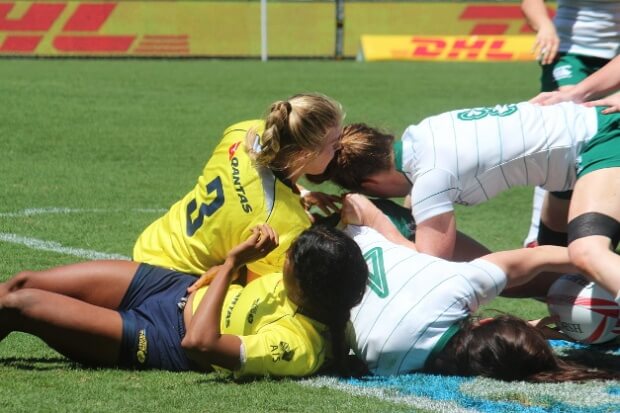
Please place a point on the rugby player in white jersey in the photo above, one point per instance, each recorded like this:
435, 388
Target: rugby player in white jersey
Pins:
468, 156
416, 312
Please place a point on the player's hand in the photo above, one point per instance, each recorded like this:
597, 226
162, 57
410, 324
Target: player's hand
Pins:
612, 102
358, 210
547, 43
205, 279
551, 98
569, 94
261, 242
327, 203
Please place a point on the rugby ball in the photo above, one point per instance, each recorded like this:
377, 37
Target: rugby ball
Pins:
587, 312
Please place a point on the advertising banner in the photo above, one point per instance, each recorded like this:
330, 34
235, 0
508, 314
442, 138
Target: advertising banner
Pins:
233, 28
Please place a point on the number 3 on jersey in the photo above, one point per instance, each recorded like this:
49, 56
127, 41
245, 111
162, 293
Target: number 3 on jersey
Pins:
376, 272
205, 210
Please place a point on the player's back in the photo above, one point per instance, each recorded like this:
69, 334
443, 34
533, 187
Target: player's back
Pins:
230, 197
488, 150
411, 302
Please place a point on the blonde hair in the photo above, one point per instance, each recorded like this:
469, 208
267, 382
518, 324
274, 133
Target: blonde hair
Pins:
295, 131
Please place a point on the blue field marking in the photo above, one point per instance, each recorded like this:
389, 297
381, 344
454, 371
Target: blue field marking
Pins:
530, 398
461, 394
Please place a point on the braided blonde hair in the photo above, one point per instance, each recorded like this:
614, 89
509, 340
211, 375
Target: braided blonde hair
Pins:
295, 131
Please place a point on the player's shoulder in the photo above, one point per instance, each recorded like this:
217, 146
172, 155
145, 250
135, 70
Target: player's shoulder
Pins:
245, 125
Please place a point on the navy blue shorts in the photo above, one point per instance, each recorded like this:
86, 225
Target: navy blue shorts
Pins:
153, 325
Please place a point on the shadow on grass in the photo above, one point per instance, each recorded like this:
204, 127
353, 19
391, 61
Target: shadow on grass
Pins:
37, 363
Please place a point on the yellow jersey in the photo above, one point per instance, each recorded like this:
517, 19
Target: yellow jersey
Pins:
276, 339
231, 197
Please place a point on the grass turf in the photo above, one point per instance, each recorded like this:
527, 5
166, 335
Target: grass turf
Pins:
118, 141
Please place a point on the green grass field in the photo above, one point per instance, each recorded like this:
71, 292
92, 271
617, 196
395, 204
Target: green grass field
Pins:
93, 151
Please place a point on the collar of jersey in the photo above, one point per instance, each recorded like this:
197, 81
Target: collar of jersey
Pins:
398, 155
443, 340
278, 174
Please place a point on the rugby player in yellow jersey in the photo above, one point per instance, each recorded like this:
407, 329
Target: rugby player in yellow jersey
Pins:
250, 179
289, 324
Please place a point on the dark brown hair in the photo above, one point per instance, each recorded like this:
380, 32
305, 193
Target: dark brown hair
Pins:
364, 151
507, 348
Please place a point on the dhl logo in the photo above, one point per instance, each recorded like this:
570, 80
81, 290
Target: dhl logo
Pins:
447, 48
496, 19
25, 29
461, 48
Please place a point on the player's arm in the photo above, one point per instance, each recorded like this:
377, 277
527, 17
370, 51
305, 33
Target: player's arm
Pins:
547, 40
327, 203
437, 235
203, 342
524, 264
600, 83
358, 210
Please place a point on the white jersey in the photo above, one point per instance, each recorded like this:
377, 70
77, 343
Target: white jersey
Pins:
411, 301
468, 156
589, 28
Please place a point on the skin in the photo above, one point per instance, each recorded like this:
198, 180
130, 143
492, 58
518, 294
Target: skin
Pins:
547, 41
436, 236
73, 308
604, 81
597, 192
520, 265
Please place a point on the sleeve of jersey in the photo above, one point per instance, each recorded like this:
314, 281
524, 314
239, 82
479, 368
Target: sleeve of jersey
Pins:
433, 193
488, 281
278, 351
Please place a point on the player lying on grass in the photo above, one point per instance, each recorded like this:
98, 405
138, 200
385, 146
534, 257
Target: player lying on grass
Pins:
416, 314
131, 315
468, 156
250, 179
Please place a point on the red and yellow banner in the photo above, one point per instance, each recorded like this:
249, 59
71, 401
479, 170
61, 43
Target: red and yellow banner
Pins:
447, 48
232, 28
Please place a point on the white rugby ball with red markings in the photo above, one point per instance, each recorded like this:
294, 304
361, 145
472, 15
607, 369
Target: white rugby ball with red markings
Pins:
587, 312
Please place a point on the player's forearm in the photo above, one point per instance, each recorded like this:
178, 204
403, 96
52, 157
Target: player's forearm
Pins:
382, 224
536, 14
524, 264
203, 340
601, 83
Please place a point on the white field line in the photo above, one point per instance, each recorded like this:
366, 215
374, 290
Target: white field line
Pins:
53, 246
28, 212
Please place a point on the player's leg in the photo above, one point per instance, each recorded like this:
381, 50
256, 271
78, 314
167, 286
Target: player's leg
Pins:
466, 248
594, 221
81, 331
553, 218
537, 202
102, 283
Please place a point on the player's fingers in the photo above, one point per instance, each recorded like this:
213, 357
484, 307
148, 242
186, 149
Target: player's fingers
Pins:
611, 109
204, 279
269, 238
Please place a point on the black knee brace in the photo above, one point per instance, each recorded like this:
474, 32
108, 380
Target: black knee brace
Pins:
547, 236
594, 223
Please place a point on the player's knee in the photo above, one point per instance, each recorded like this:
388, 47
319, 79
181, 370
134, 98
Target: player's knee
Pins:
583, 256
586, 252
